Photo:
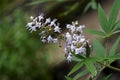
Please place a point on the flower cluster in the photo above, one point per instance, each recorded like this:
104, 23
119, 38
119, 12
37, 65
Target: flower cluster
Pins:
75, 40
47, 27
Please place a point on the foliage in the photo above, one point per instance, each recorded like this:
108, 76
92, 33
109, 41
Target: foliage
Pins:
18, 55
68, 8
103, 57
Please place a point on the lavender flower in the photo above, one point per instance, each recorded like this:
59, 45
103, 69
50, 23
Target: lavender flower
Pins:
75, 40
49, 39
48, 20
57, 29
53, 22
46, 26
69, 57
40, 17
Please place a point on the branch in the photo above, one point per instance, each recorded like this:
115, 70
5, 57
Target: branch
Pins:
109, 66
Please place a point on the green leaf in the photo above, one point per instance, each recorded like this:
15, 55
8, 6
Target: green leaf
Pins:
114, 57
91, 4
97, 32
68, 78
87, 50
113, 13
99, 49
114, 47
89, 63
71, 9
102, 19
38, 2
76, 67
117, 24
77, 56
90, 78
87, 7
43, 1
107, 77
76, 59
94, 5
80, 74
115, 32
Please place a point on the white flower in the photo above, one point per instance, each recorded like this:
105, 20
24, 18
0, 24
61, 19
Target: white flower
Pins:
43, 32
66, 50
29, 25
72, 47
40, 17
80, 28
69, 57
72, 29
53, 22
55, 40
83, 50
82, 40
80, 50
33, 28
43, 40
57, 29
74, 42
42, 24
49, 39
68, 26
34, 20
31, 17
78, 38
77, 51
48, 20
74, 36
75, 23
38, 24
68, 38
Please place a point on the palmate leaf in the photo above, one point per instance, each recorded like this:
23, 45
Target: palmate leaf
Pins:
102, 19
113, 13
114, 47
99, 49
76, 67
89, 63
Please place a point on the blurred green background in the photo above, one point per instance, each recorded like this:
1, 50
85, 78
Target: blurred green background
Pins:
18, 48
22, 55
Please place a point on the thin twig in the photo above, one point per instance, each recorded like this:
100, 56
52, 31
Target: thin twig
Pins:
109, 66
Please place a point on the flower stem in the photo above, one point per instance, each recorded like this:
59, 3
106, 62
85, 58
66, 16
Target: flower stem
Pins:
109, 66
107, 42
113, 68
